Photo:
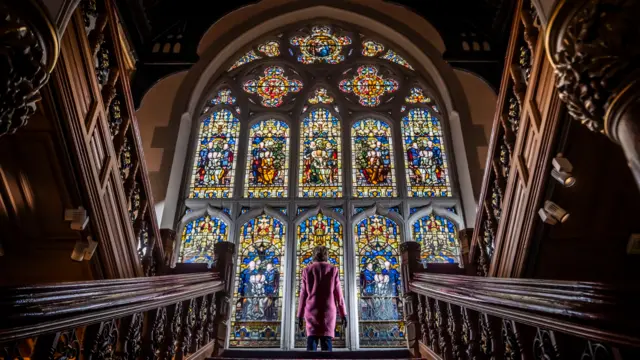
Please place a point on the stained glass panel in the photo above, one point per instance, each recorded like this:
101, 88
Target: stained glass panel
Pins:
417, 96
215, 163
425, 158
371, 48
372, 159
314, 231
273, 86
368, 86
245, 59
198, 238
270, 48
320, 96
260, 278
395, 58
321, 46
438, 239
224, 96
321, 155
377, 241
267, 171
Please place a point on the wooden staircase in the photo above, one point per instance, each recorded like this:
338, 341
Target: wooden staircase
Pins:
301, 354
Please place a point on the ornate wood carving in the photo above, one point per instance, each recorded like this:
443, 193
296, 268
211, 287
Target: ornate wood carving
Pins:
175, 338
596, 351
201, 321
544, 345
422, 319
455, 330
512, 346
431, 326
190, 318
133, 339
104, 345
486, 337
30, 49
157, 338
440, 310
469, 333
209, 332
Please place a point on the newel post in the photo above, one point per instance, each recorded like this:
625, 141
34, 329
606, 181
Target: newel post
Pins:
224, 254
410, 264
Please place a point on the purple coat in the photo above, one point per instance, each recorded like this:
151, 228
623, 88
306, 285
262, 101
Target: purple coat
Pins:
320, 293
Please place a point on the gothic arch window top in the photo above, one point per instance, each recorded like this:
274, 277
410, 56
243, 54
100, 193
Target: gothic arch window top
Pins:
320, 44
199, 236
438, 239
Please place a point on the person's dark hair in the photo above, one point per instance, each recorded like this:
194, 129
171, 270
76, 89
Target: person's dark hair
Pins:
320, 253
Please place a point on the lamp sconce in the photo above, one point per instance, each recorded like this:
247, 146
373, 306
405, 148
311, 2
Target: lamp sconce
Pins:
551, 213
84, 250
562, 171
78, 218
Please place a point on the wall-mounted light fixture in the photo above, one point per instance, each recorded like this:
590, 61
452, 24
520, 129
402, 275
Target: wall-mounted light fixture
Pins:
562, 171
551, 213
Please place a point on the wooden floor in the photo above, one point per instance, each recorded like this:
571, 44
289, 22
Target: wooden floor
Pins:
293, 354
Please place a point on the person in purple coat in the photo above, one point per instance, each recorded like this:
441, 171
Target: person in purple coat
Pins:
320, 301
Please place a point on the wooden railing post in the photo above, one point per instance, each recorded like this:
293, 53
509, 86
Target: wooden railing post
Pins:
410, 262
224, 253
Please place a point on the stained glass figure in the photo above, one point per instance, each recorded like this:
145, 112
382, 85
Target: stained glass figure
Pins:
313, 231
395, 58
273, 86
368, 86
198, 238
321, 155
379, 287
215, 163
417, 96
438, 239
372, 159
224, 96
267, 170
321, 46
371, 48
270, 48
260, 277
245, 59
320, 96
425, 159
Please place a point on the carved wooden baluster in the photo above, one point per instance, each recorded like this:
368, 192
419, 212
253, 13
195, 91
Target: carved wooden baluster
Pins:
60, 345
101, 340
211, 317
224, 253
10, 350
470, 334
155, 343
489, 337
545, 346
410, 262
188, 326
454, 327
115, 117
513, 114
422, 319
511, 340
200, 323
130, 344
530, 32
173, 338
432, 326
444, 340
483, 262
596, 351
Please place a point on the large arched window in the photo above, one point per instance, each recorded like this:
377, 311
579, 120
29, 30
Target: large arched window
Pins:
322, 134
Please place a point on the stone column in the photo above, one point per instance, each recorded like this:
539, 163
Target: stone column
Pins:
224, 256
410, 264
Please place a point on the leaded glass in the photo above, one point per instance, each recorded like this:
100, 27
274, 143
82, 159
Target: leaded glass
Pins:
250, 56
314, 231
395, 58
368, 86
321, 155
379, 287
198, 238
425, 159
416, 96
257, 314
372, 159
273, 86
321, 46
270, 48
224, 96
338, 209
438, 239
371, 48
267, 170
320, 96
215, 163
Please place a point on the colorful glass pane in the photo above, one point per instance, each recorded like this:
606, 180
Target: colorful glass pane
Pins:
260, 277
321, 155
372, 159
368, 86
224, 96
395, 58
313, 231
416, 96
244, 210
453, 209
371, 48
395, 209
245, 59
270, 48
198, 238
321, 46
358, 210
338, 209
377, 241
215, 163
320, 96
273, 86
425, 158
302, 209
267, 171
438, 239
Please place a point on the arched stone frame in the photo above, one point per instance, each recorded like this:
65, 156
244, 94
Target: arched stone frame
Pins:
425, 58
194, 215
440, 211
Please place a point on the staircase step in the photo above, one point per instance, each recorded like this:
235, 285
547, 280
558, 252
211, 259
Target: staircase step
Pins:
301, 354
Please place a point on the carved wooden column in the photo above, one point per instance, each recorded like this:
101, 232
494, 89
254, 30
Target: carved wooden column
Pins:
224, 253
594, 46
410, 262
168, 237
29, 49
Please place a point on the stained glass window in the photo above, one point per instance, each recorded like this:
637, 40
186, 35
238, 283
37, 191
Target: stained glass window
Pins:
224, 96
425, 158
371, 48
368, 85
314, 231
198, 238
245, 59
320, 96
320, 173
260, 277
438, 238
267, 170
372, 159
321, 46
395, 58
374, 49
379, 287
270, 48
215, 163
273, 86
416, 96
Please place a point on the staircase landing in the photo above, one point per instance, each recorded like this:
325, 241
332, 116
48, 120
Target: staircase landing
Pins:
301, 354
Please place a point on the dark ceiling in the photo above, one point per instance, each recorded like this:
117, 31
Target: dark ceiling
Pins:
151, 22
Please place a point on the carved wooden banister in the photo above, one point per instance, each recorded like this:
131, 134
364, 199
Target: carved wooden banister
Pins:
159, 317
